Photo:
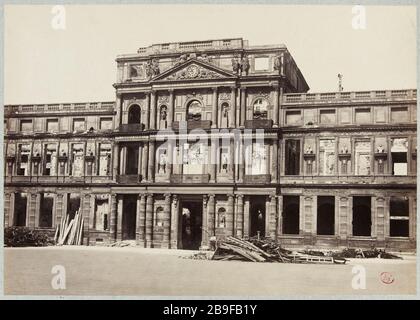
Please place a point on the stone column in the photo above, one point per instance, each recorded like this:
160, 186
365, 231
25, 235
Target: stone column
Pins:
274, 162
232, 117
7, 197
280, 215
149, 220
32, 209
141, 219
120, 204
152, 110
240, 216
113, 219
204, 233
229, 216
144, 159
139, 172
241, 159
213, 161
243, 107
147, 113
214, 109
211, 217
232, 155
273, 217
174, 222
171, 110
169, 164
276, 106
151, 171
166, 222
87, 211
115, 162
59, 212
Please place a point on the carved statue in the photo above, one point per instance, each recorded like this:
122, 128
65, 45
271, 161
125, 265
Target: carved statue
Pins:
224, 163
155, 67
148, 68
182, 58
277, 63
163, 113
162, 163
245, 64
236, 66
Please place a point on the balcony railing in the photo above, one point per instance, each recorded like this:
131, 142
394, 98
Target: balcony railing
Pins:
189, 178
258, 124
257, 178
131, 127
193, 124
333, 97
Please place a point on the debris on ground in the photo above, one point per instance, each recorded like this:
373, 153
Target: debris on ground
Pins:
265, 250
123, 243
359, 253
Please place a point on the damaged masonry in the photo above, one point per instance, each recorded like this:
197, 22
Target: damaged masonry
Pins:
330, 170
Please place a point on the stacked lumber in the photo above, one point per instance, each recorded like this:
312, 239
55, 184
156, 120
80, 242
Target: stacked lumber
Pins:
265, 250
69, 232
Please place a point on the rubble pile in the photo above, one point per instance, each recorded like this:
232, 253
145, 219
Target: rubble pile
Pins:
263, 250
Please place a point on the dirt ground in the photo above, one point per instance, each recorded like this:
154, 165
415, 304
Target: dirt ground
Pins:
157, 272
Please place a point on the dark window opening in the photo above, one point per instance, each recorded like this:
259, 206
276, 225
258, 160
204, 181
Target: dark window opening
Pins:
292, 163
326, 215
134, 114
132, 160
291, 213
362, 216
46, 212
399, 163
399, 217
20, 210
73, 205
191, 225
257, 212
129, 217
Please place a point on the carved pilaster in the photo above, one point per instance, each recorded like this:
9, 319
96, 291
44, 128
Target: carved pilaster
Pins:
166, 221
141, 220
240, 216
229, 216
149, 220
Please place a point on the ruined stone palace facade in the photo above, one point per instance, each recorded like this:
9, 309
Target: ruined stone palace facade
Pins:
332, 169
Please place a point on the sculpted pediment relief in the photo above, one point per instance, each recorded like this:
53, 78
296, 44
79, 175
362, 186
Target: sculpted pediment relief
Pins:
193, 70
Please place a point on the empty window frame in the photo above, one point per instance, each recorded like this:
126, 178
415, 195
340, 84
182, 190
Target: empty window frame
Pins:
325, 215
399, 221
50, 160
79, 124
399, 149
327, 158
292, 157
20, 212
23, 166
46, 210
362, 216
290, 215
101, 221
26, 125
52, 125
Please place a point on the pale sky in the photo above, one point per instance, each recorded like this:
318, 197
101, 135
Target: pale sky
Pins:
44, 65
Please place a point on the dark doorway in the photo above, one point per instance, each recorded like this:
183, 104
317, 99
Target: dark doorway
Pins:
362, 216
257, 216
191, 224
73, 204
291, 212
325, 224
134, 114
46, 212
132, 161
129, 217
21, 201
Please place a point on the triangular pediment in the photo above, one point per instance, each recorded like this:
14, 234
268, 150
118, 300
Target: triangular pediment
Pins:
193, 69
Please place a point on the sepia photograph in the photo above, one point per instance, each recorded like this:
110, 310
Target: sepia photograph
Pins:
198, 150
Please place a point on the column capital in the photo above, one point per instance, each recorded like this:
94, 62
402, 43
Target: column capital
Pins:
240, 196
215, 88
141, 195
167, 196
211, 195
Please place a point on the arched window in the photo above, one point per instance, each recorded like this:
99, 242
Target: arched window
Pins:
159, 217
134, 114
260, 109
221, 218
194, 110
